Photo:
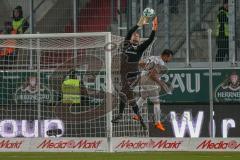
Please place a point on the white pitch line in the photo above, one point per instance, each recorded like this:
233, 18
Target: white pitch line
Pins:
204, 156
211, 156
12, 156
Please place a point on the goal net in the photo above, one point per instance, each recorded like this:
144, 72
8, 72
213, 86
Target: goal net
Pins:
62, 85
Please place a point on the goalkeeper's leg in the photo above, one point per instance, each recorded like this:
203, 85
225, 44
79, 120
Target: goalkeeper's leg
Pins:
137, 116
140, 102
135, 108
124, 96
138, 107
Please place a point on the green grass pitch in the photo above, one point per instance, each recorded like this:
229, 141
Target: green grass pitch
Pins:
123, 156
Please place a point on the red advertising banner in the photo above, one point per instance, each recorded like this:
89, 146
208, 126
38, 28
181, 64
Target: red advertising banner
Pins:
119, 144
218, 144
148, 144
175, 144
53, 145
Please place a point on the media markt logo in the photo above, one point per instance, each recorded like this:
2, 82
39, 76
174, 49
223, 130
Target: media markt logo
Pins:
229, 89
28, 93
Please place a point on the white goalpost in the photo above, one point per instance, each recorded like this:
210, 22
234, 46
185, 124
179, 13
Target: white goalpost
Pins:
32, 88
33, 91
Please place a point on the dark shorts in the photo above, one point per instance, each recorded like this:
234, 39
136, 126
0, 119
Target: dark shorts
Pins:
128, 83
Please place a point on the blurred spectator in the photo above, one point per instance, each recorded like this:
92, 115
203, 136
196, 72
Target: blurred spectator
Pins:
19, 24
73, 89
8, 54
222, 33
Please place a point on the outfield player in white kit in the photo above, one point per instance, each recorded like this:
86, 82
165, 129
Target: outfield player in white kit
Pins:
151, 84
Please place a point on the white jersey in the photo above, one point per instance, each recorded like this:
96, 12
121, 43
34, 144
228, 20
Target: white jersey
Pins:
154, 59
154, 62
149, 87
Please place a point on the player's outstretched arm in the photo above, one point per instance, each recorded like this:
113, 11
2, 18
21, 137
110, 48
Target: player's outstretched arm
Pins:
146, 43
142, 21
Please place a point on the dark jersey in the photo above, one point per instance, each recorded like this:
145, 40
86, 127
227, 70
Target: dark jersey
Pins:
132, 54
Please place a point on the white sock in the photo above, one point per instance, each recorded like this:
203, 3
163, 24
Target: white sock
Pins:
157, 112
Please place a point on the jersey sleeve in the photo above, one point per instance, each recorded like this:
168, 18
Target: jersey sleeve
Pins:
154, 62
145, 44
149, 63
130, 32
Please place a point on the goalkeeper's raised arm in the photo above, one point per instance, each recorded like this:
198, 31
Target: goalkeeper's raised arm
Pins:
146, 43
132, 47
141, 22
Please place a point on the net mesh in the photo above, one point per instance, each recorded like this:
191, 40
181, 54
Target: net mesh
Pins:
32, 78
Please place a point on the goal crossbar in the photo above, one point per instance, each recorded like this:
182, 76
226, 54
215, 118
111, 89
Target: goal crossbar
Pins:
52, 35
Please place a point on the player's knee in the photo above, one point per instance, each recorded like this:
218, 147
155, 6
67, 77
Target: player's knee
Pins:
132, 103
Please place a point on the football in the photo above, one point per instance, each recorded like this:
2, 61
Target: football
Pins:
149, 12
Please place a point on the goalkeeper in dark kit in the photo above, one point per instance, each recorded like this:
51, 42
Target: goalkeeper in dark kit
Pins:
131, 53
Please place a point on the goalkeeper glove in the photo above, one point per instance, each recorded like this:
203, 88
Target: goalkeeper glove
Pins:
142, 21
155, 24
